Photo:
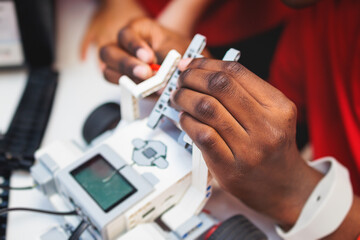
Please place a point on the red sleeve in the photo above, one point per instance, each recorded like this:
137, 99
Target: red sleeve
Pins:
286, 72
227, 22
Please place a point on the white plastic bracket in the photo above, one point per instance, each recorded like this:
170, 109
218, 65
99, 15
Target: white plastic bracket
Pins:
130, 93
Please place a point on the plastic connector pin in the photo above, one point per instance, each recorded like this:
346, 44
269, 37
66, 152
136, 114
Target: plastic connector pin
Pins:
155, 67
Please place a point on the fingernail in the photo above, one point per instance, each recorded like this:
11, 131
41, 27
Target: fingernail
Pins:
184, 63
142, 72
144, 55
102, 66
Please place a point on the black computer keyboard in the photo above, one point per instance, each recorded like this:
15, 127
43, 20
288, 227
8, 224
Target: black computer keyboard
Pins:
28, 125
23, 138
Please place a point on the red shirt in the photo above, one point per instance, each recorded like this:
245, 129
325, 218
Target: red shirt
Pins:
229, 21
317, 65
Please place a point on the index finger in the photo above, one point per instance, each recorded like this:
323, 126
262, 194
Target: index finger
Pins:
259, 89
123, 63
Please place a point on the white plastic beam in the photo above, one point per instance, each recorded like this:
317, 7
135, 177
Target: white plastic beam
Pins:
130, 93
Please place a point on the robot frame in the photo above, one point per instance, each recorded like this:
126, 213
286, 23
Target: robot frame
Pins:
142, 177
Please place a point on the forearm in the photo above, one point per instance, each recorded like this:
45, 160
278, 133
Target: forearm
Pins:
350, 228
182, 15
130, 8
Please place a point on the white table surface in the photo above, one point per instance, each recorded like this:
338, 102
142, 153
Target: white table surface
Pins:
81, 88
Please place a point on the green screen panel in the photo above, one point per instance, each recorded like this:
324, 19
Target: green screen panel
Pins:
103, 183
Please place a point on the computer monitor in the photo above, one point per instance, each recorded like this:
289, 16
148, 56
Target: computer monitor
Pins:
27, 33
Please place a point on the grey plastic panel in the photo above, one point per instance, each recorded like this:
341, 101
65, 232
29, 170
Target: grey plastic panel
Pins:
70, 188
162, 107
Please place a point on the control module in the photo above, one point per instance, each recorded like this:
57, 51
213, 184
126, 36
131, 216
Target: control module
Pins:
146, 180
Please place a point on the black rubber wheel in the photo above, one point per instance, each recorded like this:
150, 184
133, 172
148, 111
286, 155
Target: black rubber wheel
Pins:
103, 118
237, 228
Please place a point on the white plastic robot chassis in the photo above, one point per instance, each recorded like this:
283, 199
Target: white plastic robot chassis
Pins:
138, 174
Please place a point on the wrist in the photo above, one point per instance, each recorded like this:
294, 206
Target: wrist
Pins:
327, 206
301, 183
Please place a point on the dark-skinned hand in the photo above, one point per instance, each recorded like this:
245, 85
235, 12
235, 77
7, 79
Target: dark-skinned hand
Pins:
141, 42
109, 17
245, 129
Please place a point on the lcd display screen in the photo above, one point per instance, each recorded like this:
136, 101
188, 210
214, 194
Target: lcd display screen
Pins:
103, 183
